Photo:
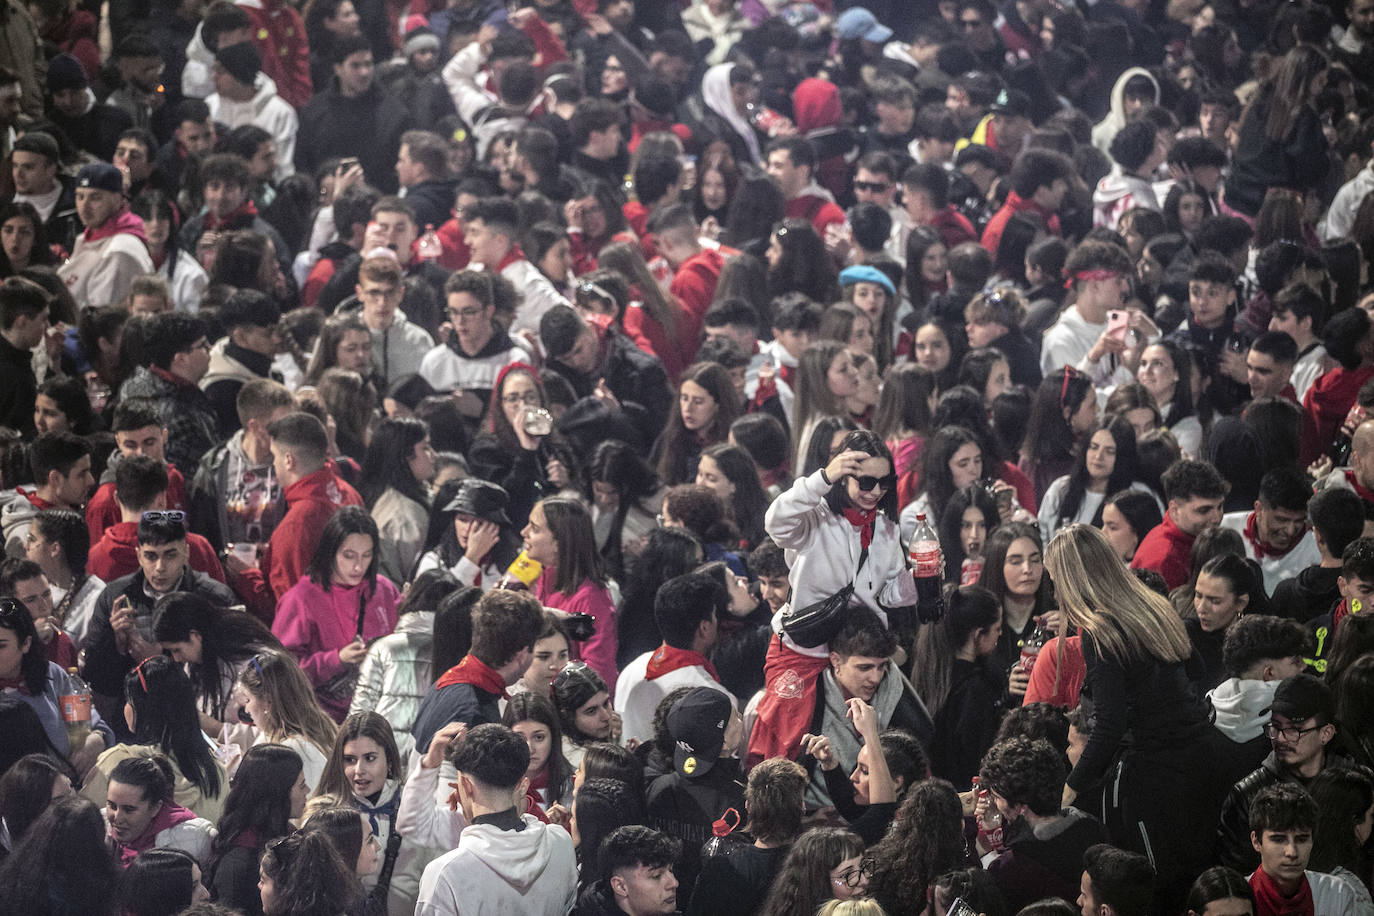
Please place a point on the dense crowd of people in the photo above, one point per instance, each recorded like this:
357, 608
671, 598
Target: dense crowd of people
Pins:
722, 457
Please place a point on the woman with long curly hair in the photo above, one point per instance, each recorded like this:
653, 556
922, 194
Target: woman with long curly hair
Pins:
926, 840
825, 863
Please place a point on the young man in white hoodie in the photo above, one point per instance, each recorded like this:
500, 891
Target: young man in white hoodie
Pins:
1137, 149
1098, 273
505, 862
245, 95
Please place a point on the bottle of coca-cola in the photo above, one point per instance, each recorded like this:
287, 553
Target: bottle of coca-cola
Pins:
988, 817
429, 248
1032, 644
925, 566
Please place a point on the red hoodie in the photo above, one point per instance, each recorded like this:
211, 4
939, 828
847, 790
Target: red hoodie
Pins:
116, 554
694, 284
310, 502
816, 105
992, 234
102, 511
1168, 551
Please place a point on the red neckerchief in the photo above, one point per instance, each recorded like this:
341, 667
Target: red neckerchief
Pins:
158, 259
15, 683
1363, 492
34, 499
472, 670
864, 522
122, 222
1340, 613
785, 372
668, 658
1290, 393
515, 254
1273, 902
214, 223
248, 839
1262, 549
168, 816
171, 377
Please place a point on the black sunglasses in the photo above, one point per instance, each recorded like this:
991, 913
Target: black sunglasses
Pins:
867, 482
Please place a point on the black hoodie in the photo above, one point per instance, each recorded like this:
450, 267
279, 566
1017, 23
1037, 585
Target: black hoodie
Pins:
1311, 593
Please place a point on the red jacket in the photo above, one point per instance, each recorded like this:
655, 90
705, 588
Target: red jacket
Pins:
1168, 551
102, 512
310, 502
1328, 401
694, 285
954, 227
992, 234
279, 33
116, 554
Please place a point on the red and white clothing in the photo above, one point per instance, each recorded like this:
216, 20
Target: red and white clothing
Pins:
648, 679
1276, 565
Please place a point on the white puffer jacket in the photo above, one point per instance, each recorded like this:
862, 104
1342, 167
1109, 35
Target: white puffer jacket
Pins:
395, 674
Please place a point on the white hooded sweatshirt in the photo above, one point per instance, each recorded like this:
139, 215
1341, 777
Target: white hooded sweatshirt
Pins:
267, 110
496, 872
1242, 707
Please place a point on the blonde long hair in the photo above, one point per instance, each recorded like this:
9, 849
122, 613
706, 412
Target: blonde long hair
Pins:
277, 678
1101, 597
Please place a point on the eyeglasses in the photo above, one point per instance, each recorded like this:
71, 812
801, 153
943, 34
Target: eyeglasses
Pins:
1292, 734
874, 187
570, 670
855, 876
866, 482
529, 397
1069, 372
468, 313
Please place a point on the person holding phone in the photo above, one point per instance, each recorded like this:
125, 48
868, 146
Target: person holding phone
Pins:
339, 605
121, 632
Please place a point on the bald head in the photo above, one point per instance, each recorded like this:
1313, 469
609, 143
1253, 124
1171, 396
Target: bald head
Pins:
1362, 453
1363, 440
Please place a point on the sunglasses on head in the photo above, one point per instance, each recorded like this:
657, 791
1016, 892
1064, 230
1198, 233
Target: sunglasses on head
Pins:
867, 482
164, 515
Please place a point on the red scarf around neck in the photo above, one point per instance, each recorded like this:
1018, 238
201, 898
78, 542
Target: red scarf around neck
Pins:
1264, 550
474, 671
1273, 902
214, 223
864, 522
668, 658
1362, 491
